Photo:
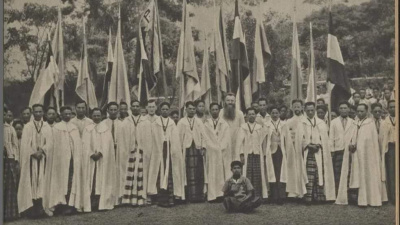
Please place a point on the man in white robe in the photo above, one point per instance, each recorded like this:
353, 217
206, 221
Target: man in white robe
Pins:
317, 171
388, 152
145, 143
81, 121
121, 140
36, 145
365, 169
166, 162
200, 110
293, 186
51, 116
64, 173
98, 165
134, 193
217, 163
235, 119
248, 144
192, 141
262, 117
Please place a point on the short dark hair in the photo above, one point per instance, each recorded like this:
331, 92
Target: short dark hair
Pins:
49, 108
173, 112
123, 103
344, 103
255, 102
390, 101
165, 103
375, 88
230, 94
283, 106
272, 107
323, 107
150, 101
321, 99
362, 104
214, 103
309, 103
16, 122
111, 104
37, 105
197, 102
251, 108
356, 93
79, 102
63, 108
25, 108
376, 104
95, 109
262, 99
297, 101
362, 89
236, 163
190, 103
134, 100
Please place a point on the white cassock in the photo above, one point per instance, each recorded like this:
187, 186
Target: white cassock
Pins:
165, 131
315, 131
121, 153
67, 146
294, 186
218, 165
234, 126
145, 143
97, 138
81, 123
32, 177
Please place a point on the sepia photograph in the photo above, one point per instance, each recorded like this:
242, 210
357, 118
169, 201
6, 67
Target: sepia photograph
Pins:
200, 112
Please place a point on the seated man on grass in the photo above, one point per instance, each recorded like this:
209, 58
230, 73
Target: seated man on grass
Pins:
239, 192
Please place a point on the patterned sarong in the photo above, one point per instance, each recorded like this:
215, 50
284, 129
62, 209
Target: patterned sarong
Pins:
10, 181
134, 193
337, 160
194, 174
166, 197
314, 191
254, 173
278, 189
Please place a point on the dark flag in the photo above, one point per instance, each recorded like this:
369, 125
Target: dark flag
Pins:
107, 77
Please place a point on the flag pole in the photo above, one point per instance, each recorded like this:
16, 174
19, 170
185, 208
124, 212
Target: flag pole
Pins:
116, 73
161, 53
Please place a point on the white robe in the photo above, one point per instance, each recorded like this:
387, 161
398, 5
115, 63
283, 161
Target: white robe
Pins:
234, 126
67, 145
248, 143
81, 123
157, 163
97, 138
121, 154
218, 157
307, 134
30, 141
294, 186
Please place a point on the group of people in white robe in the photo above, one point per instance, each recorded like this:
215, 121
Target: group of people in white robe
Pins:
82, 164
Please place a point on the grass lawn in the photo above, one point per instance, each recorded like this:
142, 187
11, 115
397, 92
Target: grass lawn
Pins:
214, 213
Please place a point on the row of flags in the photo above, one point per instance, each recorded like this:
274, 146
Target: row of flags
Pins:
232, 73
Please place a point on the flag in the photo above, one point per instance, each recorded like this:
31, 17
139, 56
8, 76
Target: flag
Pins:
58, 50
338, 81
44, 92
186, 70
311, 85
241, 83
84, 86
107, 77
220, 49
205, 75
262, 56
296, 87
119, 86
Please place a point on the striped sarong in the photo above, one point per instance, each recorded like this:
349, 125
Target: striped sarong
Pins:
314, 191
10, 181
194, 174
253, 173
337, 160
166, 197
278, 189
134, 193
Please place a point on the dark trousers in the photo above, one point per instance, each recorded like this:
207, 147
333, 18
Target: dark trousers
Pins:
337, 160
278, 189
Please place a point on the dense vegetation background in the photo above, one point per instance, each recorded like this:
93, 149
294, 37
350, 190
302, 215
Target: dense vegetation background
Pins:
365, 31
